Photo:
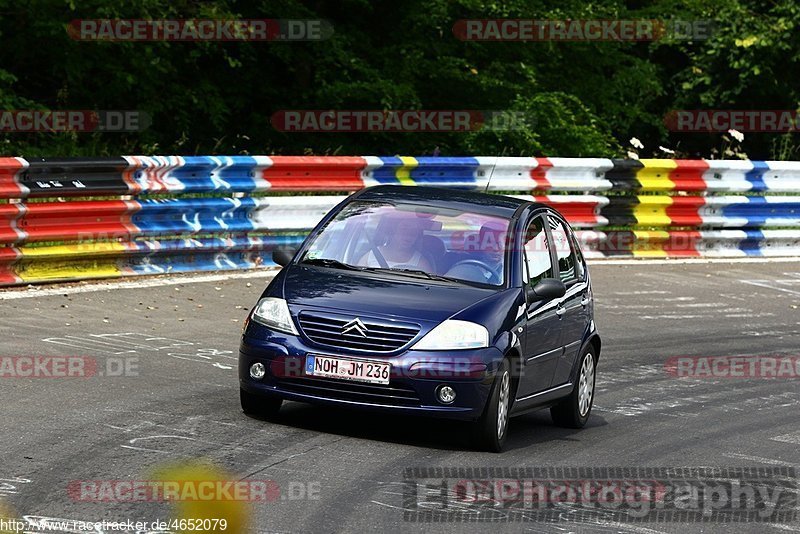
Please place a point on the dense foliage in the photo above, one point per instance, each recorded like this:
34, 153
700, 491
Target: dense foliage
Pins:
580, 98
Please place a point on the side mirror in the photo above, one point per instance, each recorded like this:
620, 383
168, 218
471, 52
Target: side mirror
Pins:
283, 255
546, 289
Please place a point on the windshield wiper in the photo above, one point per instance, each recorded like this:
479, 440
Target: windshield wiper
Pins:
330, 262
426, 274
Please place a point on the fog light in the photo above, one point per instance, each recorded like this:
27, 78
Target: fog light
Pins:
257, 370
446, 394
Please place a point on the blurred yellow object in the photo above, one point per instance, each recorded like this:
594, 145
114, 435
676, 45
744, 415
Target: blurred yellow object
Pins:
235, 512
7, 519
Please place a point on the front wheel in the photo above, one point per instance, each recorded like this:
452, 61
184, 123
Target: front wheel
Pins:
492, 427
259, 405
574, 410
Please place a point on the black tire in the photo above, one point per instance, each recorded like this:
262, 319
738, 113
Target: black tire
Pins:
574, 410
490, 431
260, 406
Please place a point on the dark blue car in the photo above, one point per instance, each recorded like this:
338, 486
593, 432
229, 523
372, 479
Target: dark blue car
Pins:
428, 301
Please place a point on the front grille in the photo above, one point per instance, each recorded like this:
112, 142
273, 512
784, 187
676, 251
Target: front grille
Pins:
391, 394
380, 336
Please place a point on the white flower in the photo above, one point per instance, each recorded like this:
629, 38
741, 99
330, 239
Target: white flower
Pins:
636, 143
633, 155
665, 149
736, 134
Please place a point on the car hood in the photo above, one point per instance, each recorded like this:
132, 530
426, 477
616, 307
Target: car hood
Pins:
377, 293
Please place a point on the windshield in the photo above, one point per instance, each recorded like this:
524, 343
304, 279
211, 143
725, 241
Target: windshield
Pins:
414, 239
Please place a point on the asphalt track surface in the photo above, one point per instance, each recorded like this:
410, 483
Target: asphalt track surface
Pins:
184, 403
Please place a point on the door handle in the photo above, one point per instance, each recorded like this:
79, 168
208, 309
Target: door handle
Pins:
585, 300
560, 311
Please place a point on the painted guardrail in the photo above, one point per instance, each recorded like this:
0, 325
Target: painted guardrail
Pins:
67, 219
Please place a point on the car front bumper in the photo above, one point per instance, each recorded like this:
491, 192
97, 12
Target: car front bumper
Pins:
412, 389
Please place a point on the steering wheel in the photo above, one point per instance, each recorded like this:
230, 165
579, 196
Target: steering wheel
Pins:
476, 263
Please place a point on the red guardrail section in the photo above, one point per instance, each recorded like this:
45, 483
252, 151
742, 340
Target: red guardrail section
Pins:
309, 173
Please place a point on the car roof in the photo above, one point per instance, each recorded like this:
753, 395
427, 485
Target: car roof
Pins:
487, 204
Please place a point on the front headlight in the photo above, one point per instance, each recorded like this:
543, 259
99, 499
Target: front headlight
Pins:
274, 313
454, 335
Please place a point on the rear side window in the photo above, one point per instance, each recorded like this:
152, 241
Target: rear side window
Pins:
580, 264
536, 253
563, 245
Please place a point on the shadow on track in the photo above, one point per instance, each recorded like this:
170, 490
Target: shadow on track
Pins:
441, 434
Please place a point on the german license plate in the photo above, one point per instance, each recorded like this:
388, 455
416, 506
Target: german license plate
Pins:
347, 369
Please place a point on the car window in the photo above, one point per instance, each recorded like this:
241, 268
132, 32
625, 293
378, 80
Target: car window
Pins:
536, 253
567, 270
580, 264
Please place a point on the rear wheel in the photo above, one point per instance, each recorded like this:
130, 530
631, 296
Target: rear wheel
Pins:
492, 427
259, 405
574, 410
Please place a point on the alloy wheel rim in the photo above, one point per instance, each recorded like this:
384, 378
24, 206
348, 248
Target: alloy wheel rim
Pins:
586, 385
502, 405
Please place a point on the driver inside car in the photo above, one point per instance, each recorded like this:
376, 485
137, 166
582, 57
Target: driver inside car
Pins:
401, 248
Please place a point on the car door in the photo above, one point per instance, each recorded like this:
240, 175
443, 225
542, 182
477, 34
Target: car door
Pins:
573, 307
541, 340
